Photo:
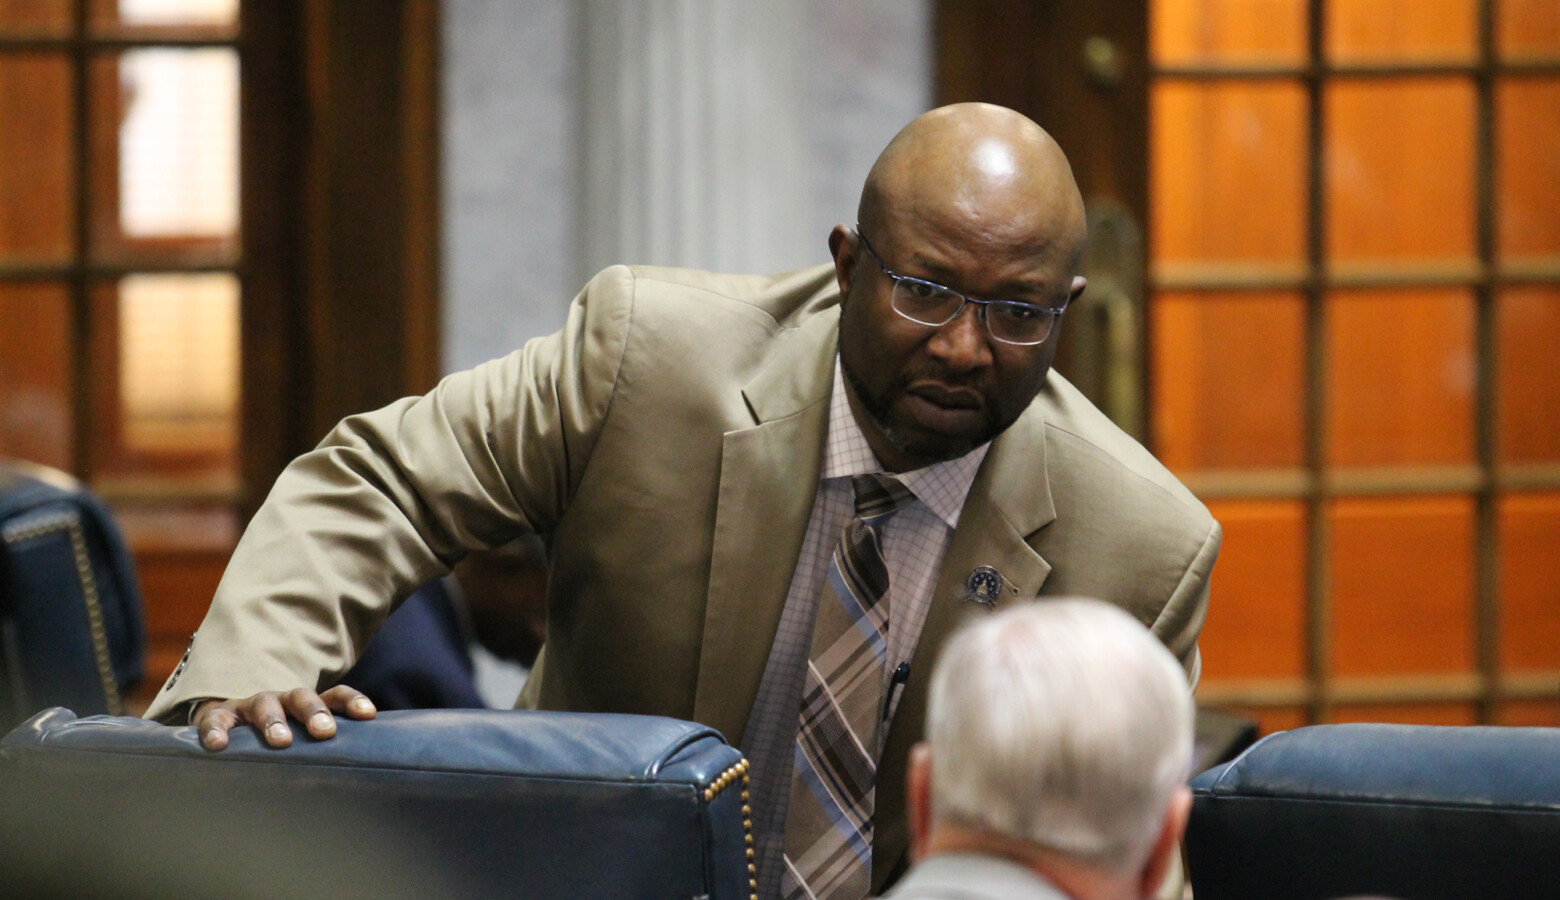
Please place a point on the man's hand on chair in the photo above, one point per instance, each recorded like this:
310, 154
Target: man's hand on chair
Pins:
268, 711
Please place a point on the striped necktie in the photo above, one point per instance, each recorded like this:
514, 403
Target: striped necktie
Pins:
828, 834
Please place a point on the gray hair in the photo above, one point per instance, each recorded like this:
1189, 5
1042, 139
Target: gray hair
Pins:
1063, 723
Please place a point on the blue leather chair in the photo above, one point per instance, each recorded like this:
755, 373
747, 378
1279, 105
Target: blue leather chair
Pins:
1406, 811
417, 803
71, 632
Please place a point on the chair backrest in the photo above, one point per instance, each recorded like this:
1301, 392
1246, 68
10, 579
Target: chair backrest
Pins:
417, 803
71, 632
1410, 811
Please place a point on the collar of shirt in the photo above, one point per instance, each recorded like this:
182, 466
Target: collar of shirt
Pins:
941, 486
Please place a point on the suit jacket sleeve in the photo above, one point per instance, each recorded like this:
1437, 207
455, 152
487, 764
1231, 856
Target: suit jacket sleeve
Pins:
394, 497
1181, 620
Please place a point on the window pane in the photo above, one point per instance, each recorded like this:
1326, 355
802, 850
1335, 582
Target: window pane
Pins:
178, 357
1401, 573
1406, 713
126, 15
1256, 614
1201, 31
1379, 30
1528, 329
1528, 149
174, 188
1229, 379
1530, 582
1399, 170
1528, 29
35, 17
1229, 172
1400, 378
35, 376
36, 158
165, 378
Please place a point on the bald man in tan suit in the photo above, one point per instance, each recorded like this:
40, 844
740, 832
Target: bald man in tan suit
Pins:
670, 442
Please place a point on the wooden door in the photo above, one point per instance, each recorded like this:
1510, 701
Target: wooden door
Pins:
1353, 261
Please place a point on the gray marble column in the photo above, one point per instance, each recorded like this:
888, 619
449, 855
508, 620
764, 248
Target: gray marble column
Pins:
724, 134
696, 134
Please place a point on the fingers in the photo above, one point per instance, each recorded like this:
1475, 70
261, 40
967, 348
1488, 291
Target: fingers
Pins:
264, 711
307, 707
215, 718
350, 702
268, 712
212, 720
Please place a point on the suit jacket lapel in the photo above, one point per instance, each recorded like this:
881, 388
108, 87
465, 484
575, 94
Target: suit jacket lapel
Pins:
1009, 501
768, 480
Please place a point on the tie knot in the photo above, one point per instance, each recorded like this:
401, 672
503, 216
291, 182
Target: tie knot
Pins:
878, 495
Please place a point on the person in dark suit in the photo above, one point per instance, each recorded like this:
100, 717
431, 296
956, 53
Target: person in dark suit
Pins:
687, 444
420, 658
492, 607
1058, 741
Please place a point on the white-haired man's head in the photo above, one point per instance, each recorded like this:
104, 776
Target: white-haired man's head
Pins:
1062, 724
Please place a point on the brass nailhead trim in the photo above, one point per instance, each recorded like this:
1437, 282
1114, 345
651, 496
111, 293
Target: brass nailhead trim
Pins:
723, 781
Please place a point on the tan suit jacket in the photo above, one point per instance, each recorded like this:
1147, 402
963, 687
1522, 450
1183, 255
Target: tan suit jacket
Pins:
668, 443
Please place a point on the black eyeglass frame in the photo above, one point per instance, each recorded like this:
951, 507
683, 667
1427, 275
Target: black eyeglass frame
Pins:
1054, 313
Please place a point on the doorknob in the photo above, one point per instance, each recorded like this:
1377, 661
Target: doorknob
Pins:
1102, 61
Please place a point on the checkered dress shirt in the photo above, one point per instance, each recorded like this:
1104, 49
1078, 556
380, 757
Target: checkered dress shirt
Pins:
914, 541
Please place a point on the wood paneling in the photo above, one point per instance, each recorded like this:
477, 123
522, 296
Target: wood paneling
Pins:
1400, 377
1033, 57
1527, 28
1230, 172
1402, 30
35, 373
1256, 627
1402, 585
1527, 166
1228, 31
37, 157
1530, 582
34, 17
1355, 249
181, 584
340, 199
1531, 713
1528, 329
1228, 379
1400, 170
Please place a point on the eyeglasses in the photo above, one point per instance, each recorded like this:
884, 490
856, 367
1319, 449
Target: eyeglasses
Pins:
929, 303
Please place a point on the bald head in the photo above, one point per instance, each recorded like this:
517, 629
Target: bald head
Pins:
981, 169
971, 201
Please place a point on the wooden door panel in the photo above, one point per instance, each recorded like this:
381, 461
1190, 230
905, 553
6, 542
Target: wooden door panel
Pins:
1400, 378
1257, 630
1410, 30
1228, 378
1229, 164
1355, 298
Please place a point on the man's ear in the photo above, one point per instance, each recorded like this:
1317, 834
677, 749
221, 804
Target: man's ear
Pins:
919, 791
843, 246
1168, 844
1076, 291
